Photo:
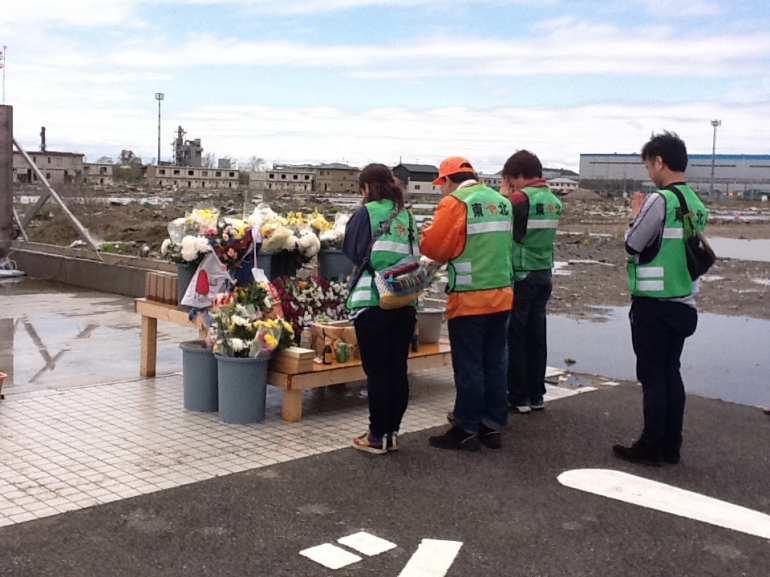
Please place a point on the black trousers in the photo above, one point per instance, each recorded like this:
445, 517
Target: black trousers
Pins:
658, 331
527, 346
384, 337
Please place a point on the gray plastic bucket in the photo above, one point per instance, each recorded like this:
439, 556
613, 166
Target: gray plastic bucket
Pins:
242, 389
429, 321
275, 266
334, 265
184, 274
199, 377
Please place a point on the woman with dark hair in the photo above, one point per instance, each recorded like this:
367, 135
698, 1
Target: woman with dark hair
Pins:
378, 235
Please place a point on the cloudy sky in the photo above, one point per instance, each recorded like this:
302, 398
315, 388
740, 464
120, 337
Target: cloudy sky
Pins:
379, 80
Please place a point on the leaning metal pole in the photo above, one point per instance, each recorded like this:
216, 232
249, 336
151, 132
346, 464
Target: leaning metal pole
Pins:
6, 179
51, 192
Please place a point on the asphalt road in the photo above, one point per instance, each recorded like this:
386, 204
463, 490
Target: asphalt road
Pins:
506, 507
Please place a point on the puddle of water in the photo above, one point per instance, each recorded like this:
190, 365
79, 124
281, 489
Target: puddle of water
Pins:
762, 281
725, 359
741, 249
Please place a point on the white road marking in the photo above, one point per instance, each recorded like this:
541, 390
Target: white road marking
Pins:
668, 499
330, 556
367, 544
433, 558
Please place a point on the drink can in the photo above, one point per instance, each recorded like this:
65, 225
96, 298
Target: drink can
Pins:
343, 356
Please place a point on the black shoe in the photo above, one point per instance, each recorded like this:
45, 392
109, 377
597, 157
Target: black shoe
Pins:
456, 439
639, 452
490, 438
670, 456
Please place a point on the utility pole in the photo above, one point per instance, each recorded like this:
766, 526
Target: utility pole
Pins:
159, 96
6, 179
714, 123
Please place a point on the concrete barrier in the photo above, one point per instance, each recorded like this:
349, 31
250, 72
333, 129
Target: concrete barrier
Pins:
117, 274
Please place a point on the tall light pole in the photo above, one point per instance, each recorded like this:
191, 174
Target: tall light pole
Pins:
159, 96
714, 123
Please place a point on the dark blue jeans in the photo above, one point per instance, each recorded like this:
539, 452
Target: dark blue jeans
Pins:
479, 361
527, 345
384, 337
658, 331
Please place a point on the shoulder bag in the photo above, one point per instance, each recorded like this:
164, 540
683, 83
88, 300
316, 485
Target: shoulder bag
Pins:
699, 253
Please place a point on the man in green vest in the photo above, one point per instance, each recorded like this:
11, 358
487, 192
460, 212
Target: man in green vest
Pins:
536, 213
663, 310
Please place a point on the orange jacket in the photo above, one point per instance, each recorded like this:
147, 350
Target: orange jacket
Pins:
443, 241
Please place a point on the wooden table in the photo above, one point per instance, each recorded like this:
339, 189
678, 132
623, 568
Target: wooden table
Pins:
152, 312
430, 356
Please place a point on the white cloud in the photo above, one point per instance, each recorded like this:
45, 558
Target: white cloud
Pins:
673, 9
564, 47
83, 13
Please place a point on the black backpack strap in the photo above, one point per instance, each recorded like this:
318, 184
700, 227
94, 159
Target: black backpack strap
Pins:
689, 228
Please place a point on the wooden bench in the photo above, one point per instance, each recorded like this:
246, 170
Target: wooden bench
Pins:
430, 356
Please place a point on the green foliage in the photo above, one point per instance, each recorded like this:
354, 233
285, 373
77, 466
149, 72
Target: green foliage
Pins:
116, 248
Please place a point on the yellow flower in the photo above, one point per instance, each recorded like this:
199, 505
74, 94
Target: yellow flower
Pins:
271, 340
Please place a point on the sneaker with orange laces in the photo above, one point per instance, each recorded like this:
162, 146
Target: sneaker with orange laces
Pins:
370, 444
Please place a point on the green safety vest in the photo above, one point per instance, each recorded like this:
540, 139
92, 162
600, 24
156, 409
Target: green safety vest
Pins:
485, 262
535, 252
387, 250
666, 276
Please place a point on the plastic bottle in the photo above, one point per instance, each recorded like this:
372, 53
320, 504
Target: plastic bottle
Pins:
305, 337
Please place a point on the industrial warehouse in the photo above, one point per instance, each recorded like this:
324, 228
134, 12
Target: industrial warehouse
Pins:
735, 175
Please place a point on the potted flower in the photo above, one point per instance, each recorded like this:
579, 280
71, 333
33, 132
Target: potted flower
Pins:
188, 244
243, 339
304, 300
288, 241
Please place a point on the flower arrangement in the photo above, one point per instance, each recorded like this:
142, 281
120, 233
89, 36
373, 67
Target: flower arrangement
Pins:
305, 300
242, 326
193, 236
332, 237
188, 240
231, 241
293, 233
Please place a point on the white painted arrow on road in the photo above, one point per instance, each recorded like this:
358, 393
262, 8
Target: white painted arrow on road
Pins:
668, 499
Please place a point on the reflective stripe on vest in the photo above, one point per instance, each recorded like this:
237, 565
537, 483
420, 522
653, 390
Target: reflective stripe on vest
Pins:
496, 226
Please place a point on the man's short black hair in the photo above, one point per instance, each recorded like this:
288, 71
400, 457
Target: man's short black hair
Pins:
670, 148
460, 177
523, 164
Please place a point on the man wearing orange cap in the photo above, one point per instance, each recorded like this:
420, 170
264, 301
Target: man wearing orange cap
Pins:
472, 233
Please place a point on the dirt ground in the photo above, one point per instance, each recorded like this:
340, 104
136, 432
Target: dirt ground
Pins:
590, 231
606, 284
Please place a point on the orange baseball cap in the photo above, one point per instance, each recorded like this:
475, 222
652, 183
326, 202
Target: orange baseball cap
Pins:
453, 165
